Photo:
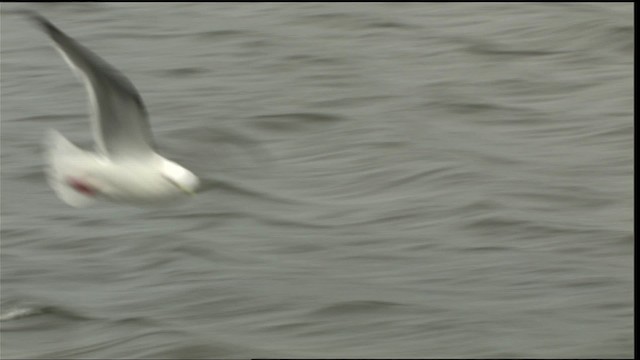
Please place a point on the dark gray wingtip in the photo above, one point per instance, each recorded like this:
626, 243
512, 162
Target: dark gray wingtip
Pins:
34, 16
42, 22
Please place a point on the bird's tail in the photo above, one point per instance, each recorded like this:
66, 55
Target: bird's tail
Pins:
63, 161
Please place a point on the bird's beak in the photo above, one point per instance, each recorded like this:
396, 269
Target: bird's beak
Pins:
180, 186
186, 189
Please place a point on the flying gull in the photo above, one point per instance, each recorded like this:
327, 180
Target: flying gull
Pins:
125, 168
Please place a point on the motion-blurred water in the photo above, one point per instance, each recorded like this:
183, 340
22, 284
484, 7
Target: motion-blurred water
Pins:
394, 180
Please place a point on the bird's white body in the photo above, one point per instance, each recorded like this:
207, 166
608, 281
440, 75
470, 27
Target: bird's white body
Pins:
136, 181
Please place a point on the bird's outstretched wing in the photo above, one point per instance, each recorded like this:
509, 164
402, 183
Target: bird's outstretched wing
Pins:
120, 122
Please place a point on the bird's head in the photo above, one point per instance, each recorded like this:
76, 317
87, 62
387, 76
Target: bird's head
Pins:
179, 177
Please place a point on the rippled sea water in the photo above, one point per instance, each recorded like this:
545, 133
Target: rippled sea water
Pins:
394, 180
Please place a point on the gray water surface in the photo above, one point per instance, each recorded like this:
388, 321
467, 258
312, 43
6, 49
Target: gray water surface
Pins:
394, 180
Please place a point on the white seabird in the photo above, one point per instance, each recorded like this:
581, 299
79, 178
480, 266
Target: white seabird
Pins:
125, 167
